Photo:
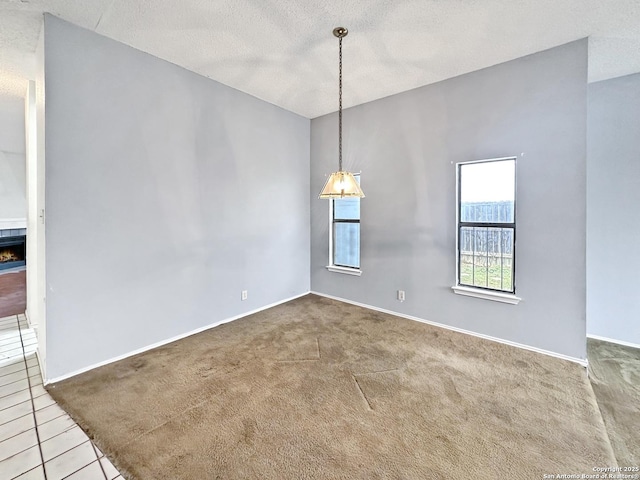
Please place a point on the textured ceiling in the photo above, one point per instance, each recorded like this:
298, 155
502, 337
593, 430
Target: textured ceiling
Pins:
283, 51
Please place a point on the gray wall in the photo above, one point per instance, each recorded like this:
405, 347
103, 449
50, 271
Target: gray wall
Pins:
407, 145
12, 124
613, 206
13, 203
167, 194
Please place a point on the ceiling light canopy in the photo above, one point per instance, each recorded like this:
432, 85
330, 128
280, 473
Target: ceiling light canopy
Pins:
341, 184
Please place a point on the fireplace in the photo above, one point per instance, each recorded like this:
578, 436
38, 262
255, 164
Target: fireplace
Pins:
12, 252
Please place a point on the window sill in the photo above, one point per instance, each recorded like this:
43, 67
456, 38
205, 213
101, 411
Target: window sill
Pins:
346, 270
487, 294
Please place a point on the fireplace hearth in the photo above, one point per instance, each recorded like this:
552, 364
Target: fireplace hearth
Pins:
12, 252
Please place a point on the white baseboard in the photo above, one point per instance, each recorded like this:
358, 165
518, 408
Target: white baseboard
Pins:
29, 322
169, 340
40, 364
581, 361
611, 340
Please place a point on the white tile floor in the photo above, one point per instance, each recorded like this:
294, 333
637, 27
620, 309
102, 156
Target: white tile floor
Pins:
38, 440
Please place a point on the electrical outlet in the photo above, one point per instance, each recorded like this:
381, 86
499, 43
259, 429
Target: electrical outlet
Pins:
401, 295
244, 295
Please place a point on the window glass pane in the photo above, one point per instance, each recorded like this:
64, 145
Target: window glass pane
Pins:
346, 251
487, 191
347, 208
466, 256
486, 257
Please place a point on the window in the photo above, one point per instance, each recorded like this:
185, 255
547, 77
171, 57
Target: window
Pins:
345, 234
487, 225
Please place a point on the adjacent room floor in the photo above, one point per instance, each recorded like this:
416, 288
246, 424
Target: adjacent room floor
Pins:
13, 292
38, 440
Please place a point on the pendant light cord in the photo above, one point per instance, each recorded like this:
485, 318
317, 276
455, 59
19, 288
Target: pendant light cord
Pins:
340, 110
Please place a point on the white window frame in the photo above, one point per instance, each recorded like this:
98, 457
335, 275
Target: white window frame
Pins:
469, 291
339, 268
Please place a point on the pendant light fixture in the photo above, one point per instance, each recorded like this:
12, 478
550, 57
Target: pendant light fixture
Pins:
341, 184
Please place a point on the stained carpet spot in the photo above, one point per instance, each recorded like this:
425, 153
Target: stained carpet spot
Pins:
451, 390
249, 427
315, 358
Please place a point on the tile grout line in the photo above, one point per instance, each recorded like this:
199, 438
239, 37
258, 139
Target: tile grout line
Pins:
7, 320
16, 418
11, 406
54, 418
99, 462
21, 451
88, 440
37, 396
13, 373
11, 383
7, 323
61, 433
33, 406
7, 347
81, 468
23, 473
33, 413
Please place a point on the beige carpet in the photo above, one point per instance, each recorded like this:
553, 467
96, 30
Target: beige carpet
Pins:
318, 389
615, 376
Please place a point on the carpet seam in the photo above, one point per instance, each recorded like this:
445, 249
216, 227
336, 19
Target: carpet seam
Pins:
379, 371
601, 417
168, 421
362, 391
304, 359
